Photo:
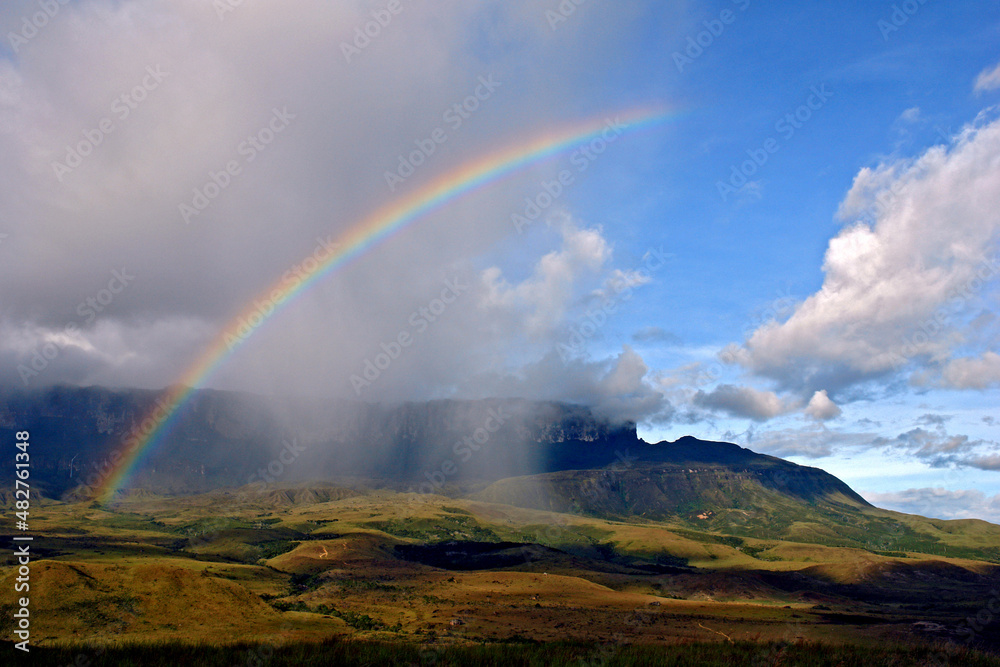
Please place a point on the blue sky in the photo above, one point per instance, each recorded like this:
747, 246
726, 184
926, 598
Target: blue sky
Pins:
893, 94
773, 324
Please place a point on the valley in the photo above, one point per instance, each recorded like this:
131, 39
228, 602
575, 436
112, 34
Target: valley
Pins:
343, 532
311, 563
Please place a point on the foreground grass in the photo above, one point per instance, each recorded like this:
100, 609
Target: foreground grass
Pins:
496, 655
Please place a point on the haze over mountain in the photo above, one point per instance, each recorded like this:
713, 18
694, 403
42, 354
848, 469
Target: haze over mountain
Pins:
800, 256
500, 322
228, 439
542, 455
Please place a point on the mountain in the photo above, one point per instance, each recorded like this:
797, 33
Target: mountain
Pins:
496, 520
534, 455
681, 479
227, 439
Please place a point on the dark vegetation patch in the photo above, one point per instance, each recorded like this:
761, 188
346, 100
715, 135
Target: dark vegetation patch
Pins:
889, 554
853, 619
708, 538
458, 527
474, 555
758, 552
515, 651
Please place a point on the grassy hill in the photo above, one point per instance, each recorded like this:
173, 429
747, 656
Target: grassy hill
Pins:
759, 497
599, 537
306, 564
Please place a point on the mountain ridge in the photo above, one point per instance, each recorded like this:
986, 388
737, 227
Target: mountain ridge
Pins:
223, 439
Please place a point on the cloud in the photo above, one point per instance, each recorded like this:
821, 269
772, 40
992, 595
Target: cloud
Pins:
988, 79
746, 402
920, 247
821, 408
972, 373
911, 115
990, 462
934, 420
656, 335
940, 449
810, 443
620, 284
939, 503
544, 297
316, 178
36, 355
936, 448
615, 388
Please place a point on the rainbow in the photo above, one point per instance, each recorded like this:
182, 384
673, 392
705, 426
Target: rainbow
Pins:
353, 243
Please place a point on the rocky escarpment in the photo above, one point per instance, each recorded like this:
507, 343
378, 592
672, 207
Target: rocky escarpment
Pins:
227, 439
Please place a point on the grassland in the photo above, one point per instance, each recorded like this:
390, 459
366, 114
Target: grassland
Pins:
347, 576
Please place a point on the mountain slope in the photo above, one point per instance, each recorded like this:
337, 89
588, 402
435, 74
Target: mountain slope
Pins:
228, 439
767, 499
539, 455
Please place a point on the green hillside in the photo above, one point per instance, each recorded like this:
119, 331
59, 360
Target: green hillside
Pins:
750, 500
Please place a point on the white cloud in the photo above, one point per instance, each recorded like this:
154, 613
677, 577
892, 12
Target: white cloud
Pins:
544, 297
35, 356
821, 408
620, 284
988, 79
977, 373
615, 387
810, 443
898, 278
748, 402
321, 176
939, 503
911, 115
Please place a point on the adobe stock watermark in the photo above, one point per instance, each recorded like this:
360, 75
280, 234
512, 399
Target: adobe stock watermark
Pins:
262, 654
137, 435
773, 312
786, 127
419, 322
971, 628
622, 288
246, 152
31, 25
883, 203
562, 12
121, 108
592, 491
900, 16
608, 654
370, 30
958, 300
550, 191
264, 307
87, 309
223, 7
464, 449
256, 486
698, 44
454, 116
269, 474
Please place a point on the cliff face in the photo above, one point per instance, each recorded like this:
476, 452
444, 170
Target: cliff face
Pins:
228, 439
544, 455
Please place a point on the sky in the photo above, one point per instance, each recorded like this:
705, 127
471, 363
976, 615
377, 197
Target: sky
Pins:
800, 254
